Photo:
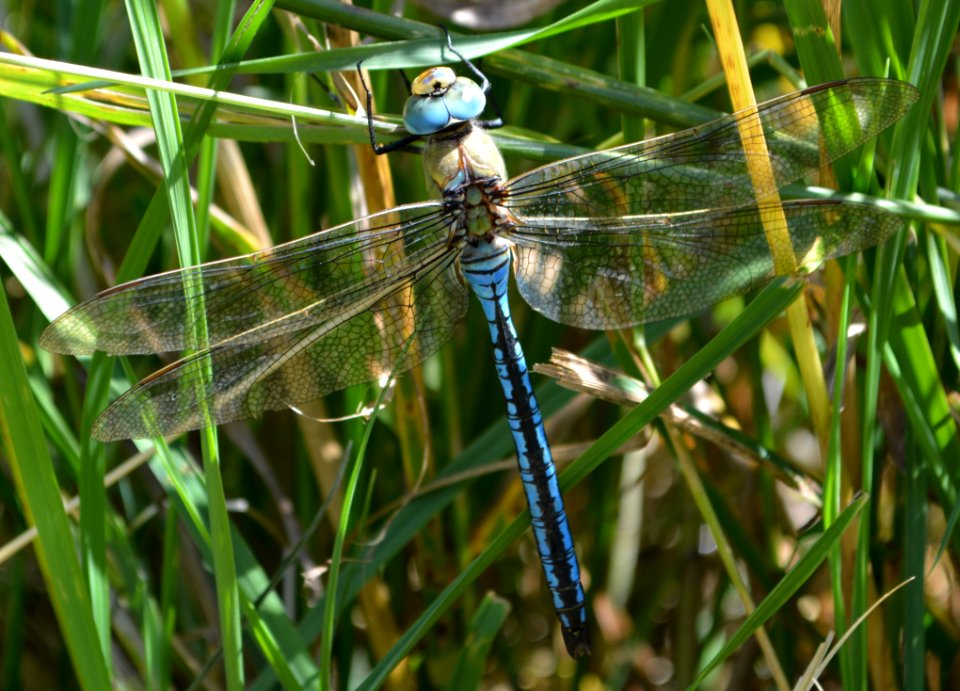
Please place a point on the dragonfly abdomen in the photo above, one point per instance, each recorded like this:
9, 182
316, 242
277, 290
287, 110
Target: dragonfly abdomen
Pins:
486, 267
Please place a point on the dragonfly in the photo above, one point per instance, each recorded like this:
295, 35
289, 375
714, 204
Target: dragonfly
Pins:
647, 231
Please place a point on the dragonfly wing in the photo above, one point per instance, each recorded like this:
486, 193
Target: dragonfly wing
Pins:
389, 328
622, 272
278, 290
706, 166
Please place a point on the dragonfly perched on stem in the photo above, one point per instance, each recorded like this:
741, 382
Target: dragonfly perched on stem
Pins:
645, 231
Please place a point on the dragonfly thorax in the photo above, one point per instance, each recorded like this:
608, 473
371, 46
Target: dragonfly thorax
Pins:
468, 170
458, 157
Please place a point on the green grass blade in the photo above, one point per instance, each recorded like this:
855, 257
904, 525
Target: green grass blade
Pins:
788, 585
816, 44
483, 629
148, 37
915, 515
26, 451
541, 71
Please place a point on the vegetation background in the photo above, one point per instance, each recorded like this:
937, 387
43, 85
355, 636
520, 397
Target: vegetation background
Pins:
162, 579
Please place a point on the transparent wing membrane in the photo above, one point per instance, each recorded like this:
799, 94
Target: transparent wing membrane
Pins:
644, 268
645, 231
669, 226
391, 332
278, 290
706, 166
286, 325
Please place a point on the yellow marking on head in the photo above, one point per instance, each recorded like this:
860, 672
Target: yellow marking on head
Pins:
435, 80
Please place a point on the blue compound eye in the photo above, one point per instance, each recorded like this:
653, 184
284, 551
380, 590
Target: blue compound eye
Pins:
425, 111
425, 114
465, 100
439, 98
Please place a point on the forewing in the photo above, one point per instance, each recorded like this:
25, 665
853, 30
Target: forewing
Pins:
631, 270
706, 166
387, 331
259, 296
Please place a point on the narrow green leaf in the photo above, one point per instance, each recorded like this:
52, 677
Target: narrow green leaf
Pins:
483, 629
26, 451
794, 579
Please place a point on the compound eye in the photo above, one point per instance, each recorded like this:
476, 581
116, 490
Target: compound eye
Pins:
424, 115
465, 99
440, 98
434, 81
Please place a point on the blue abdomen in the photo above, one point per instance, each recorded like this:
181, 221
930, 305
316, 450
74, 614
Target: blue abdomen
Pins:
486, 267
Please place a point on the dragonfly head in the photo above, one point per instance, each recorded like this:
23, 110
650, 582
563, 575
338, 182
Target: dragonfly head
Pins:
438, 99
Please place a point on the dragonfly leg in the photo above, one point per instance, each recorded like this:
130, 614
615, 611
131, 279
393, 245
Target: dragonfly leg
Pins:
379, 148
485, 85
